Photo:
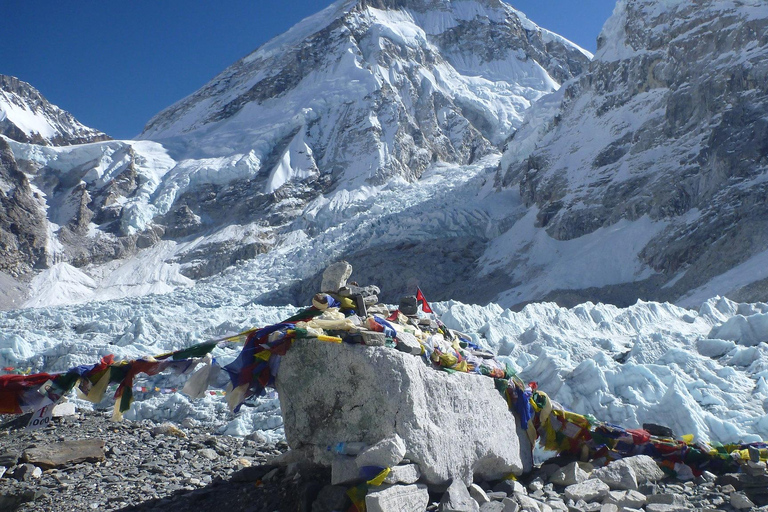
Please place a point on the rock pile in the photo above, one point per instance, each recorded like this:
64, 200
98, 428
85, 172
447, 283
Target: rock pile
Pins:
147, 467
446, 426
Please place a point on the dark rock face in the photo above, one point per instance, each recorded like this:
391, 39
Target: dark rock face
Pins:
66, 129
23, 226
668, 123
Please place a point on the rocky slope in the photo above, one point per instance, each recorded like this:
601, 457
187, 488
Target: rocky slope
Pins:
660, 152
26, 116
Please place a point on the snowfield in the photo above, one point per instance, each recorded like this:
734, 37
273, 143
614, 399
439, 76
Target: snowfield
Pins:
699, 372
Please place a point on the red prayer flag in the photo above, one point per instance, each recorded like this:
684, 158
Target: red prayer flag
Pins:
423, 301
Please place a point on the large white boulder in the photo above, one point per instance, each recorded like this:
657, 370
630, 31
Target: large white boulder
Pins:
455, 426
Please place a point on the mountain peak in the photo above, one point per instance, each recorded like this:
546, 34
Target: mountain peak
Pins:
26, 116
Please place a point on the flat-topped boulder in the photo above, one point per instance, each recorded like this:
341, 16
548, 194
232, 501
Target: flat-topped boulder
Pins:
454, 425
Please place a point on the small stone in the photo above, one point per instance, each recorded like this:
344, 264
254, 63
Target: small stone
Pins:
492, 506
168, 429
458, 499
558, 505
64, 410
398, 497
335, 277
511, 487
403, 474
9, 458
740, 501
407, 342
496, 495
661, 507
373, 338
754, 454
510, 505
645, 468
528, 504
755, 468
609, 507
632, 499
23, 472
3, 469
478, 494
589, 490
727, 489
666, 499
55, 455
536, 485
386, 453
257, 437
619, 475
569, 475
209, 454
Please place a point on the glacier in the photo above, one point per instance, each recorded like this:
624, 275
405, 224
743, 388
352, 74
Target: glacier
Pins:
700, 372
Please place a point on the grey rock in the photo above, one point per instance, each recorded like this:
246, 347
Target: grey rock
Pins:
510, 487
335, 277
537, 484
666, 499
386, 453
618, 475
478, 494
458, 499
569, 475
528, 504
209, 454
373, 338
510, 505
496, 495
403, 474
408, 498
492, 506
588, 490
740, 501
407, 342
368, 394
55, 455
66, 409
609, 507
661, 507
645, 468
9, 458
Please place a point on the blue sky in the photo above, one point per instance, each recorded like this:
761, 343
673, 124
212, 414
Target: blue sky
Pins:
114, 64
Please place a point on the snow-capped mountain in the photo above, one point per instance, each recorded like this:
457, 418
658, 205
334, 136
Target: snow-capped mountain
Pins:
26, 116
648, 175
297, 146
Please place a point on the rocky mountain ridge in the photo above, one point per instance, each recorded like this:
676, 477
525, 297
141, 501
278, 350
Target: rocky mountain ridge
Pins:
26, 116
667, 130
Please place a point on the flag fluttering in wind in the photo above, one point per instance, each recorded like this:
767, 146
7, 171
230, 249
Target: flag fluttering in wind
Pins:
423, 301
